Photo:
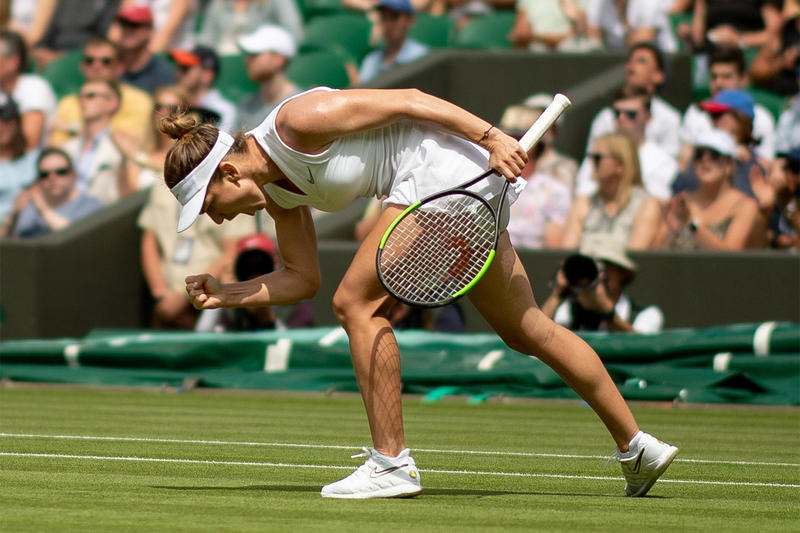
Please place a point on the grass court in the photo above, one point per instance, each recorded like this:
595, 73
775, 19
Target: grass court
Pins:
84, 459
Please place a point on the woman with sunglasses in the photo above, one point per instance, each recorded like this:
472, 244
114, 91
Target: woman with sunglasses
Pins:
325, 148
145, 160
620, 207
716, 216
52, 202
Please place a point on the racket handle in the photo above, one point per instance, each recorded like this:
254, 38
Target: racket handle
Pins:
548, 117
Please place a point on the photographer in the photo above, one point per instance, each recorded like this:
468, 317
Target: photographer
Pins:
589, 291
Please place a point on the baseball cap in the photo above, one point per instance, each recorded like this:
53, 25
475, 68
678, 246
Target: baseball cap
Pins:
401, 6
255, 256
606, 247
135, 13
8, 107
517, 119
730, 99
718, 140
199, 55
268, 38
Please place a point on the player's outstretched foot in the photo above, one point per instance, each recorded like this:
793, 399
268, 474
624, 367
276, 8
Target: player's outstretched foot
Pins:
644, 462
379, 477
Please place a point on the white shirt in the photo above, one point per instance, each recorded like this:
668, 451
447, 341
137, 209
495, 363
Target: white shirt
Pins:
665, 121
214, 101
696, 122
658, 168
639, 14
33, 93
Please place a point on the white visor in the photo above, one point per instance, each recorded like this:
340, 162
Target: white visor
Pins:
191, 190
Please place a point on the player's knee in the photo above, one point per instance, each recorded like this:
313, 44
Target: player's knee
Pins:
347, 305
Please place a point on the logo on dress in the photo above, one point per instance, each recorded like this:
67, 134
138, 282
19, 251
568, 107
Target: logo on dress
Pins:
310, 176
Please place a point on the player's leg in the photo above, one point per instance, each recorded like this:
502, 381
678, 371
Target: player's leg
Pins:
505, 299
361, 305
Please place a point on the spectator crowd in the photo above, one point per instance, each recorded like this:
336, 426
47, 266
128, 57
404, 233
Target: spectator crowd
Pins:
83, 85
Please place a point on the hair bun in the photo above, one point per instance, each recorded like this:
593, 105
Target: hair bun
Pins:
176, 126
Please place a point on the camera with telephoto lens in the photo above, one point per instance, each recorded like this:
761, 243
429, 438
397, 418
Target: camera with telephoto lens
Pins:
581, 271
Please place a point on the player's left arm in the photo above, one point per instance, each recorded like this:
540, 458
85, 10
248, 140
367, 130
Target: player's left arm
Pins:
311, 122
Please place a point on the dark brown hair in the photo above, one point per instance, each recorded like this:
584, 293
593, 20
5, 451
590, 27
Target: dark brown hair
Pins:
193, 142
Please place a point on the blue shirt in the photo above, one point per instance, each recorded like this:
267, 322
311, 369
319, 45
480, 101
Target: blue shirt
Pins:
373, 64
31, 224
15, 175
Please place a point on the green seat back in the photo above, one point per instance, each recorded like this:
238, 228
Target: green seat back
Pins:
486, 31
232, 80
64, 74
433, 31
350, 31
319, 67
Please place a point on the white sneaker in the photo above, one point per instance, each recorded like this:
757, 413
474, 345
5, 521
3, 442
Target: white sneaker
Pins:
378, 477
644, 462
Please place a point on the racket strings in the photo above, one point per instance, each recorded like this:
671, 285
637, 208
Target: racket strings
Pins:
438, 249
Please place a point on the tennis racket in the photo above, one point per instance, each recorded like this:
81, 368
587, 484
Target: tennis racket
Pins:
437, 249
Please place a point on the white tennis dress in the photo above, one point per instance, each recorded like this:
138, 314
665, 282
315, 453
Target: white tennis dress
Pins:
404, 161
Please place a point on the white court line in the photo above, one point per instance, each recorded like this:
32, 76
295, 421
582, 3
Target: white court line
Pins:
339, 447
430, 471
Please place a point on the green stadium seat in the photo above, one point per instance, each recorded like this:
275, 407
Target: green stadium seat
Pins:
232, 80
321, 67
433, 31
64, 74
486, 31
676, 19
350, 31
312, 9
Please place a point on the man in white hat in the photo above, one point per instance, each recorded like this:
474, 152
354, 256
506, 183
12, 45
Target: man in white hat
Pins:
589, 291
268, 51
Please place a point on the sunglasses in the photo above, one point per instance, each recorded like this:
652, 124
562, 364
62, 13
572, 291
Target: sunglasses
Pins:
703, 152
631, 114
62, 171
596, 157
91, 95
90, 60
169, 108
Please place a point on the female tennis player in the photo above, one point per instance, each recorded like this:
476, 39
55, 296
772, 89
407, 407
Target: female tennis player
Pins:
323, 148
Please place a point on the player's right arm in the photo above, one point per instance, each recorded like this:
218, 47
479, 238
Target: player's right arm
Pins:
298, 279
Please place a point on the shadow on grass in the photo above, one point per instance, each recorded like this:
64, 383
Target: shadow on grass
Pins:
427, 492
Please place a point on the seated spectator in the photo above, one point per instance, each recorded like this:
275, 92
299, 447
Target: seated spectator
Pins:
784, 220
715, 216
98, 162
197, 71
539, 215
631, 110
726, 71
742, 23
32, 93
551, 25
173, 23
733, 111
142, 69
396, 18
549, 160
101, 61
645, 69
589, 291
168, 257
53, 202
145, 160
642, 21
226, 20
775, 66
620, 207
17, 163
72, 24
268, 52
256, 256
